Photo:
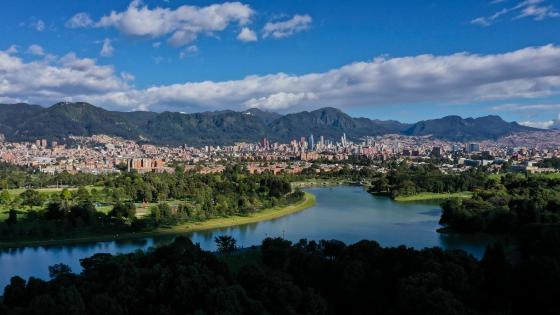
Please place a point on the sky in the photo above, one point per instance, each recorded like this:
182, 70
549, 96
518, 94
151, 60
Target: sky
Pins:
401, 60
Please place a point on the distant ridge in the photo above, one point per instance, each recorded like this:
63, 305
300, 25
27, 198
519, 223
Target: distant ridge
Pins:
24, 122
455, 128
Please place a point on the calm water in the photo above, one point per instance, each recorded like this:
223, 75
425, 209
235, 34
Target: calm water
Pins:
346, 213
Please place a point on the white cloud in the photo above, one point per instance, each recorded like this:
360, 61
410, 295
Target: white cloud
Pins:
34, 23
535, 9
280, 100
189, 51
36, 50
525, 107
107, 49
127, 76
531, 72
39, 25
156, 44
538, 12
547, 124
48, 81
79, 20
538, 124
184, 24
297, 23
247, 35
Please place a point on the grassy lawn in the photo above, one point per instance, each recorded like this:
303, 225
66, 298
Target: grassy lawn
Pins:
434, 196
547, 175
18, 191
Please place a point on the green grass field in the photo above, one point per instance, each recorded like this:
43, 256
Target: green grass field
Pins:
547, 175
50, 190
434, 196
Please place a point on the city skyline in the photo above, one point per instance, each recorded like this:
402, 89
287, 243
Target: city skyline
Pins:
421, 60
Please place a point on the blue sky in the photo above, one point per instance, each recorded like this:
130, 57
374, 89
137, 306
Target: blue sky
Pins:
404, 60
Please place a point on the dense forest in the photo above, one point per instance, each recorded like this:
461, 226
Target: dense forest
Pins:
405, 180
505, 206
308, 277
195, 197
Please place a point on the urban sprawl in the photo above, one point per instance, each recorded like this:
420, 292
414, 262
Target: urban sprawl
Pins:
104, 154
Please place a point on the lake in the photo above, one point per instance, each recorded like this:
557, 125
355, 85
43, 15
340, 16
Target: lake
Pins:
346, 213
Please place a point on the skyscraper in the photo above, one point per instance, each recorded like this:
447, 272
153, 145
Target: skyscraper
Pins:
311, 143
473, 147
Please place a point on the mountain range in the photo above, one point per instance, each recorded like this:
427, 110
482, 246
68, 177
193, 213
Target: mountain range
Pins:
24, 122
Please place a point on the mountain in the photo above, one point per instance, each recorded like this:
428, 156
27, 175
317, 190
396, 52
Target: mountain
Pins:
24, 122
455, 128
217, 128
266, 117
330, 123
28, 122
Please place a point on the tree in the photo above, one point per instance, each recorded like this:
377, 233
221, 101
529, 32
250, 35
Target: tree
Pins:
225, 243
83, 213
14, 293
83, 194
65, 195
58, 270
55, 211
126, 210
123, 167
31, 198
12, 217
5, 197
381, 184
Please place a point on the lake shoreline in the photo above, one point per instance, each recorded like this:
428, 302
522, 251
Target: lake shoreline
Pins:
264, 215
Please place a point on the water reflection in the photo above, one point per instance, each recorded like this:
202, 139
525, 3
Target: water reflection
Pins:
346, 213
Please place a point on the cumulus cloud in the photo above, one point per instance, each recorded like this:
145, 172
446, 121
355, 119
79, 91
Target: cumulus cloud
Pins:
280, 100
247, 35
36, 50
107, 49
536, 9
281, 29
79, 20
462, 77
537, 124
48, 81
183, 25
